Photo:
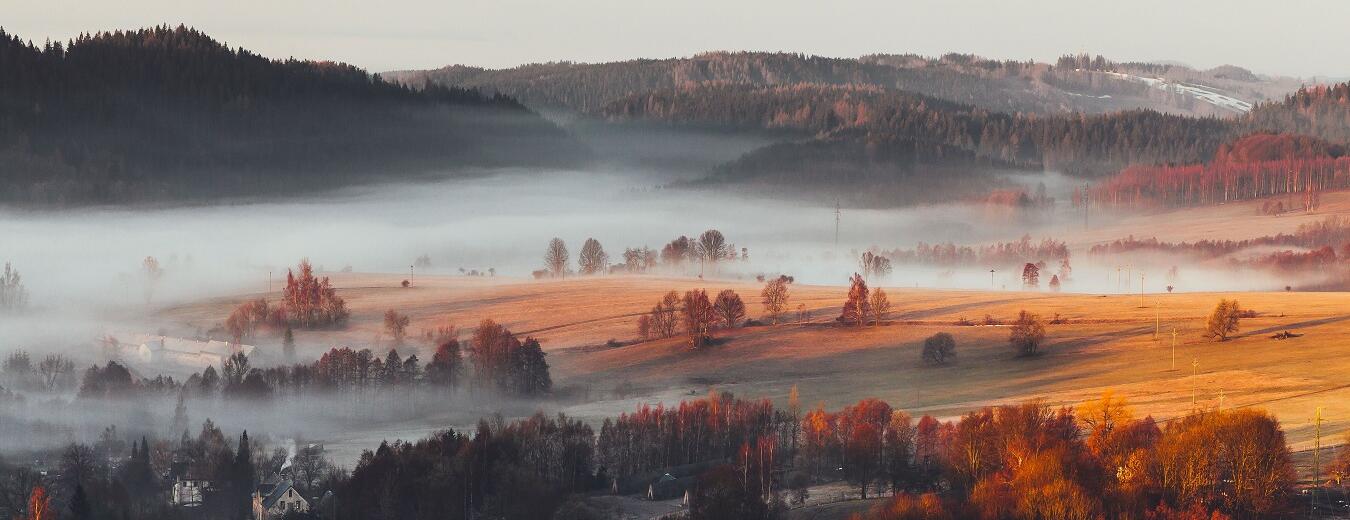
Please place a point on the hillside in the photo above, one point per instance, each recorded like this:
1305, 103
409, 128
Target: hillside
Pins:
1105, 342
1008, 86
1074, 143
171, 114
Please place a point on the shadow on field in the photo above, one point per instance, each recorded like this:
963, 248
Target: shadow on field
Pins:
1295, 326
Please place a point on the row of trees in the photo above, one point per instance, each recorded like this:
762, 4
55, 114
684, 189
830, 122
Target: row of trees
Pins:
1028, 460
496, 360
710, 247
54, 373
1034, 461
1331, 231
998, 255
696, 315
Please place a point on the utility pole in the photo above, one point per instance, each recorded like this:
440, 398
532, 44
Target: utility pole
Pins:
1195, 371
269, 280
410, 275
1141, 294
1174, 349
1157, 318
1317, 448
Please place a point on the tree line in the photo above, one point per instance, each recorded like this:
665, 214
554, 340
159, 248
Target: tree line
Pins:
997, 254
708, 250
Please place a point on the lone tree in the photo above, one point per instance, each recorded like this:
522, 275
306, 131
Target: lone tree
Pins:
939, 348
775, 297
881, 305
713, 246
729, 308
592, 259
397, 325
1224, 320
13, 296
857, 308
1031, 276
556, 257
1027, 333
698, 317
1054, 283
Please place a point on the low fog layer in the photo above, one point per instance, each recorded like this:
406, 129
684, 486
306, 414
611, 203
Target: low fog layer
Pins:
84, 269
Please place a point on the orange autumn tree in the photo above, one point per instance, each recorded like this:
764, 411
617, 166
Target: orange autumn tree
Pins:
40, 505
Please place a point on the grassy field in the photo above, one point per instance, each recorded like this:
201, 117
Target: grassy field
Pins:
1102, 341
1105, 342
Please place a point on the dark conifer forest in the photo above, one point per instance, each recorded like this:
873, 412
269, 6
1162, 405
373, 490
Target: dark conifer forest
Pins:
168, 113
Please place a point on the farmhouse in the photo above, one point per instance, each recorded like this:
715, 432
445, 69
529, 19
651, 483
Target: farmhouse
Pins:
274, 500
155, 349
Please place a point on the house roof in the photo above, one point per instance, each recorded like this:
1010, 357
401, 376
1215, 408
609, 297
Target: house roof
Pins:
271, 493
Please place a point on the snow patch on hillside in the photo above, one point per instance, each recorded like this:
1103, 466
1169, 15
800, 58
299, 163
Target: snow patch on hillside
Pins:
1209, 95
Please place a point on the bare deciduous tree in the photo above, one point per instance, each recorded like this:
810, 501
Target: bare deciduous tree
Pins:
1224, 320
644, 327
775, 297
397, 325
57, 371
874, 266
698, 317
556, 258
881, 305
1026, 334
592, 259
13, 295
730, 309
664, 315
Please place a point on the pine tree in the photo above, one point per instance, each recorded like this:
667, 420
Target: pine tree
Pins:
180, 417
242, 476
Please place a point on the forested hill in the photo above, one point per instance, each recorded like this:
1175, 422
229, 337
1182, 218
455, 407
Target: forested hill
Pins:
1322, 111
1074, 143
171, 114
1074, 84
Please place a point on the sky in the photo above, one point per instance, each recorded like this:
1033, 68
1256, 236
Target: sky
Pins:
1301, 38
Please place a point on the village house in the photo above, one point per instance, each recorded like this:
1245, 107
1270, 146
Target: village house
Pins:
188, 491
274, 500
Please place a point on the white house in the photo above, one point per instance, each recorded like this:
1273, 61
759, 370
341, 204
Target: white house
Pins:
188, 491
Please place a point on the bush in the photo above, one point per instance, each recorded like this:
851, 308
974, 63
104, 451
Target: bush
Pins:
939, 348
1027, 334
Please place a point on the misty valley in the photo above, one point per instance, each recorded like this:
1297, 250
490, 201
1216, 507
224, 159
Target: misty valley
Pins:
733, 285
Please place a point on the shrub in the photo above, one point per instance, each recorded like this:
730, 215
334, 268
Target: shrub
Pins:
939, 348
1027, 334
